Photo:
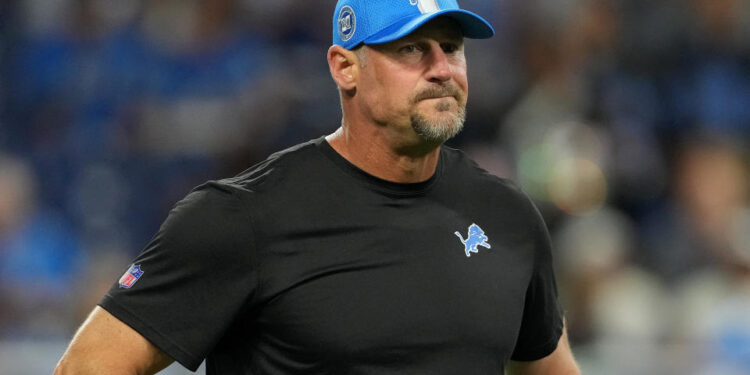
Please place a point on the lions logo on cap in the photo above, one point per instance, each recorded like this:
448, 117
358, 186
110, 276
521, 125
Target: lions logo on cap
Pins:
347, 23
426, 6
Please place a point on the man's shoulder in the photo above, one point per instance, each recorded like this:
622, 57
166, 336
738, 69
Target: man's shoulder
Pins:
289, 167
463, 169
278, 167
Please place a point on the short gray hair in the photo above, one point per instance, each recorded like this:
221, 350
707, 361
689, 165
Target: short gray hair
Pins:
361, 53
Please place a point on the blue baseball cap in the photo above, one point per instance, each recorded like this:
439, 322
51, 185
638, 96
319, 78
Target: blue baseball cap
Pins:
382, 21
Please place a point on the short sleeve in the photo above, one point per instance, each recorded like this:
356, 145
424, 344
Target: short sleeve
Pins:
193, 279
542, 322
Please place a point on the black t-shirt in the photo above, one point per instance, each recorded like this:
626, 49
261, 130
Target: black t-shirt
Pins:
304, 264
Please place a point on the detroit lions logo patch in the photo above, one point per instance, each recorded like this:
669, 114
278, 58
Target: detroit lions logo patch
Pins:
347, 23
475, 239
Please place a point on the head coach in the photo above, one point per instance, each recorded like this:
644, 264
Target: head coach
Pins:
373, 250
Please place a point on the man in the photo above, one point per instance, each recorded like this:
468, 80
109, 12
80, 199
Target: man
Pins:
341, 255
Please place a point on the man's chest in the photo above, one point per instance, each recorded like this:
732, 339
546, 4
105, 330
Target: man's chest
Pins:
388, 282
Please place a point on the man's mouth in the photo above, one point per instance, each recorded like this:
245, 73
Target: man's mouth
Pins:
438, 93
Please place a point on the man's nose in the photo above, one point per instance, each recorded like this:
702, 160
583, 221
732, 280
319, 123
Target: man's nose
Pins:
439, 66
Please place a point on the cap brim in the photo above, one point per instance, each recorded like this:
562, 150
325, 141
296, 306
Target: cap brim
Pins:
472, 26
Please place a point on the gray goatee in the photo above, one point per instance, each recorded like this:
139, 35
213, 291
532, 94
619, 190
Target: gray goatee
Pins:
439, 131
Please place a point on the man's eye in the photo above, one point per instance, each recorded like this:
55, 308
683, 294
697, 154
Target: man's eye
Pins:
449, 48
411, 48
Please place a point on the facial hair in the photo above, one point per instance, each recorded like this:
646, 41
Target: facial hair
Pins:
439, 131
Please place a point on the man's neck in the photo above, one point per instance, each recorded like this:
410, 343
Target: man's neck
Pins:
376, 154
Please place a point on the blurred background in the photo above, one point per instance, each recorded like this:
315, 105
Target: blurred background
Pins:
627, 121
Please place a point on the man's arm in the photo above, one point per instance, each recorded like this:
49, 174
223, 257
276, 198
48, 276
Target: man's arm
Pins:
559, 362
105, 345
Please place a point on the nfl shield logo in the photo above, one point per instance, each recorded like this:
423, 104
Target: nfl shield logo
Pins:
131, 276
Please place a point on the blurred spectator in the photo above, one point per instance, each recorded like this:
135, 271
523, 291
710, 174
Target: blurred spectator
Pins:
710, 226
711, 88
617, 312
713, 329
691, 231
40, 258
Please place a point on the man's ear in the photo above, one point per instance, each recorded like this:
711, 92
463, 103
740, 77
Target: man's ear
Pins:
344, 66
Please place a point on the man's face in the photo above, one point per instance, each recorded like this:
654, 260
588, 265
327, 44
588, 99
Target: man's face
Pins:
417, 85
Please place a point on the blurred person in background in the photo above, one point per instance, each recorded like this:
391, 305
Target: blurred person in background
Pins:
709, 246
160, 91
340, 255
40, 258
692, 231
711, 85
619, 311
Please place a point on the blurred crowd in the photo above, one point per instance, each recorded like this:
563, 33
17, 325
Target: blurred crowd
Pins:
627, 121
